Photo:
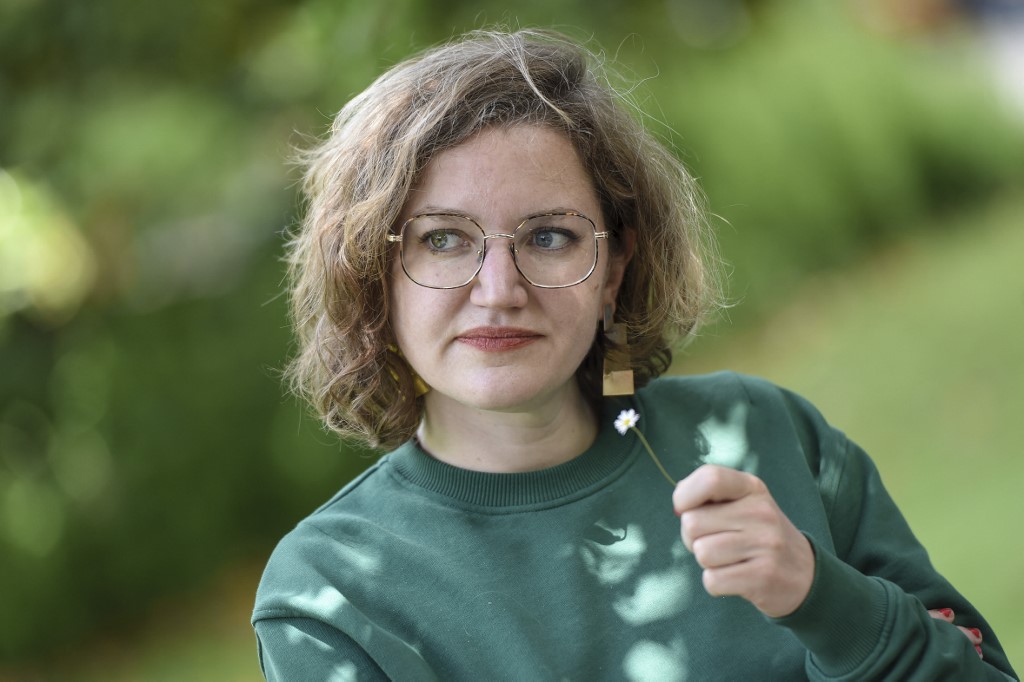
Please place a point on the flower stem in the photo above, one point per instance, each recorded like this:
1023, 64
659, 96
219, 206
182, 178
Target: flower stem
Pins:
653, 456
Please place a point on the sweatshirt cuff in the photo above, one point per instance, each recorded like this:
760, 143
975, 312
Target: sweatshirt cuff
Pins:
843, 618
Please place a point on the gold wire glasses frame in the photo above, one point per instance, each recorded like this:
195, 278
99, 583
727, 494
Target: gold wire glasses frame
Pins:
451, 261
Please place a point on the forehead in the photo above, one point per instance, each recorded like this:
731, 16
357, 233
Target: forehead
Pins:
505, 174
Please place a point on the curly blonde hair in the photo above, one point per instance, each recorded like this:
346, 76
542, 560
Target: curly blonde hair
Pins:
357, 180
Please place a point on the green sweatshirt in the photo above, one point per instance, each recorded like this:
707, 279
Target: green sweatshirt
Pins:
418, 570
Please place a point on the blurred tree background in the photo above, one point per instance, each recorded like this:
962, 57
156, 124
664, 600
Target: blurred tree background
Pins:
146, 445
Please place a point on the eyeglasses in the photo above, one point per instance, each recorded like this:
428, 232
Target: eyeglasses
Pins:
447, 250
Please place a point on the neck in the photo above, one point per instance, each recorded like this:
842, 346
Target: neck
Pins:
507, 441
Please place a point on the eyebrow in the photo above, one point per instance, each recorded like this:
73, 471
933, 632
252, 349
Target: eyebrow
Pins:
457, 211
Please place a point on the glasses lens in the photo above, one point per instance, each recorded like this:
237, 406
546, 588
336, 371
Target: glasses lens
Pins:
556, 250
441, 251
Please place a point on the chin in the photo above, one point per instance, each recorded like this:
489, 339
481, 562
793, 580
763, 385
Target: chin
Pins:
501, 392
517, 387
501, 399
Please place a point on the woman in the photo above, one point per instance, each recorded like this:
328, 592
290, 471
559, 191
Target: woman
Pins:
512, 532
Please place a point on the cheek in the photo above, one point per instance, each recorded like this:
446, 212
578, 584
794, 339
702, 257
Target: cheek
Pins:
405, 323
596, 293
583, 315
419, 316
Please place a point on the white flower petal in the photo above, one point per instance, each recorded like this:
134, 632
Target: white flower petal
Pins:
626, 420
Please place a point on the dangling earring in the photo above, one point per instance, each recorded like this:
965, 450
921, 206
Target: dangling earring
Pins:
419, 386
618, 377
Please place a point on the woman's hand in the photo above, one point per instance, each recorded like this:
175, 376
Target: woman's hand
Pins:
745, 544
972, 634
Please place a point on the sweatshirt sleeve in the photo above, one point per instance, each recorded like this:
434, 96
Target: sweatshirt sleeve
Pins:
866, 616
307, 649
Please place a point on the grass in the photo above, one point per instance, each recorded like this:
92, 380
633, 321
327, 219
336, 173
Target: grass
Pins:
917, 355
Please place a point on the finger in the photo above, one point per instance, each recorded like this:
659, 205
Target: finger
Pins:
973, 634
777, 596
754, 513
712, 483
711, 519
719, 550
749, 515
705, 520
742, 579
730, 532
770, 566
731, 580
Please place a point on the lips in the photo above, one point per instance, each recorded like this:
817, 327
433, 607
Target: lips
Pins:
498, 339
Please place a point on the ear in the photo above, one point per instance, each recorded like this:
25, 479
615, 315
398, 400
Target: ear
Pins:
618, 260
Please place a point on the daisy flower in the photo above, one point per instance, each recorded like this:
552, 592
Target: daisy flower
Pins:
626, 421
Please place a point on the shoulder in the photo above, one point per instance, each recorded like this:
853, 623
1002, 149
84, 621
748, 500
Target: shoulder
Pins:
292, 584
372, 477
304, 570
723, 389
738, 413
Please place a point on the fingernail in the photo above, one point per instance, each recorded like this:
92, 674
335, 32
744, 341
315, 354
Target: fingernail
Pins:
976, 632
948, 613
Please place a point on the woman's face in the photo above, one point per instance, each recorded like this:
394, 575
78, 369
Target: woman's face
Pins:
500, 343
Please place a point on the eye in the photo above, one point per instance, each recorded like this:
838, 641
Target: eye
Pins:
551, 238
443, 240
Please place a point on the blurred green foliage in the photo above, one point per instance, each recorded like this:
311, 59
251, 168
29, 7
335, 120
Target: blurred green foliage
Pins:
144, 439
817, 142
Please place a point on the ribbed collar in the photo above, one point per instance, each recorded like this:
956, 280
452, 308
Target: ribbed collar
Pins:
604, 460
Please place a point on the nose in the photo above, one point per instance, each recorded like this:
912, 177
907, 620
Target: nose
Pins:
499, 283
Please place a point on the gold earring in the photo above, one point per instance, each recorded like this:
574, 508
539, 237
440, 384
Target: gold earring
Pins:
419, 386
618, 376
